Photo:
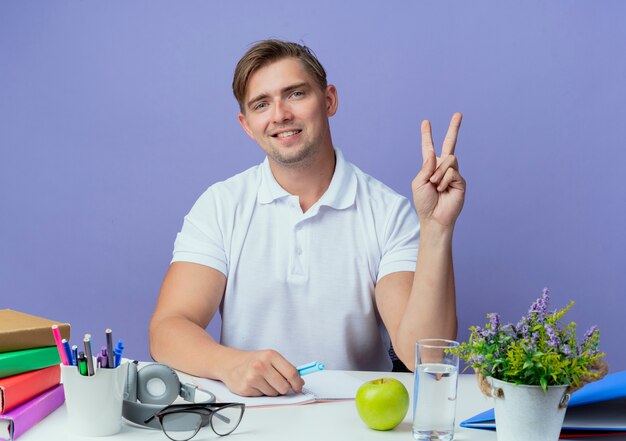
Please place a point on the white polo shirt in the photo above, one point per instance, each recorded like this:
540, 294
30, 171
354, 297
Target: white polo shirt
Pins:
303, 283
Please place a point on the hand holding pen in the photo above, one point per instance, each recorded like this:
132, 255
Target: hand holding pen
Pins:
261, 372
310, 368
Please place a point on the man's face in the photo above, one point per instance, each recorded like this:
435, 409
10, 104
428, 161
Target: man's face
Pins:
286, 112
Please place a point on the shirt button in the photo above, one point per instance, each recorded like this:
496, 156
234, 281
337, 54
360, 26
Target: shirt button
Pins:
298, 251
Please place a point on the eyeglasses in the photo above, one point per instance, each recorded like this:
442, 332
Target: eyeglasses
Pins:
181, 422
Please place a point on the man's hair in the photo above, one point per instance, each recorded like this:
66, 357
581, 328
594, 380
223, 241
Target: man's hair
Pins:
269, 51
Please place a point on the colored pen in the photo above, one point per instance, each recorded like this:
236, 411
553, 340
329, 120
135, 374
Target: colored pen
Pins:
310, 368
57, 340
110, 355
74, 355
82, 364
68, 352
119, 348
88, 355
103, 359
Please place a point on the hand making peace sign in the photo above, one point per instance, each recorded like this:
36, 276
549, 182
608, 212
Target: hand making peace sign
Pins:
438, 188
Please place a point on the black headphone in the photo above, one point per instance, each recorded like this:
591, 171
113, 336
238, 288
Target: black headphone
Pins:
153, 387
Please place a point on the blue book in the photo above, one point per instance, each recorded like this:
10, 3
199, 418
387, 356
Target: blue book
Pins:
597, 408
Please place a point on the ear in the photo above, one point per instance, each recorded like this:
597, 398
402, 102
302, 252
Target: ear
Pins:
332, 100
244, 124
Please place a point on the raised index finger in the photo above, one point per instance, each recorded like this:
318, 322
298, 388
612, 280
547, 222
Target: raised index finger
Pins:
449, 143
428, 148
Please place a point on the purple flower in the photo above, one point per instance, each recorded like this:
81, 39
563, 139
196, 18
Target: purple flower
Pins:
478, 359
522, 330
592, 347
494, 322
533, 338
590, 332
567, 350
480, 332
540, 306
554, 341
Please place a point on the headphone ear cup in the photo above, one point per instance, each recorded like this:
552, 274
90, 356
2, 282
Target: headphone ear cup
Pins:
130, 389
157, 384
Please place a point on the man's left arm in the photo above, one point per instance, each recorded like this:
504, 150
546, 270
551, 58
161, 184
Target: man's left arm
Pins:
423, 304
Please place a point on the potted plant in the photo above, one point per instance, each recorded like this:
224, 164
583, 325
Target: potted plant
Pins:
531, 368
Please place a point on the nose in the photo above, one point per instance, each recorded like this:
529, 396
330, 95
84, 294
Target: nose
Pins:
282, 112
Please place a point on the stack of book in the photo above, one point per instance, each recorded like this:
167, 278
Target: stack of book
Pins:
30, 374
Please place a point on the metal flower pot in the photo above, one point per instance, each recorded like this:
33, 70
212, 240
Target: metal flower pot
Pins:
525, 413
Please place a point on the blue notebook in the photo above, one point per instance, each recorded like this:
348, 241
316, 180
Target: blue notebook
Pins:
597, 408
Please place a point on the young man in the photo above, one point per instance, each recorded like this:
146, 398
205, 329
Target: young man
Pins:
307, 257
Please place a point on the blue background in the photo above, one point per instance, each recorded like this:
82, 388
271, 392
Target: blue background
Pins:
115, 116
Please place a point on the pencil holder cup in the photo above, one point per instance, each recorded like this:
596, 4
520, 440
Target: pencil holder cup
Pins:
94, 403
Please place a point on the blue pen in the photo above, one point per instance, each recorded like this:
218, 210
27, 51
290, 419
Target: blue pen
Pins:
310, 368
68, 352
119, 348
74, 355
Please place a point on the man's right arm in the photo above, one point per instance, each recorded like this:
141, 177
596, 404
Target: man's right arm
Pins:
189, 298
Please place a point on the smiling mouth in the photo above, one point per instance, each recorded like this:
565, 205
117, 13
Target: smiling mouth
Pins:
286, 134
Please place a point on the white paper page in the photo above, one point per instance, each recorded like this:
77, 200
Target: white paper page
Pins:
226, 396
332, 385
324, 385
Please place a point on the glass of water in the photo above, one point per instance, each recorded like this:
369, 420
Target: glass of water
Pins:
434, 396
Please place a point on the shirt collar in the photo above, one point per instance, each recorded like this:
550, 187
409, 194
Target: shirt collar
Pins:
269, 188
340, 194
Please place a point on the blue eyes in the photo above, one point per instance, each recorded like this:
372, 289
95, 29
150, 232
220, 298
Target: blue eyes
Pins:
263, 105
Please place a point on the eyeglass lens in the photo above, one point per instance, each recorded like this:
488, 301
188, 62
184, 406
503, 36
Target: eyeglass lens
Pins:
226, 419
181, 426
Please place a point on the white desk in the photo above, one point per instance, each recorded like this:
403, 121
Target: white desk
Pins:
312, 422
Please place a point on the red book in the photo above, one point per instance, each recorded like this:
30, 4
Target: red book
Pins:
20, 388
23, 417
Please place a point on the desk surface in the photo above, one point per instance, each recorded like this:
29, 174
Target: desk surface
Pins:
314, 422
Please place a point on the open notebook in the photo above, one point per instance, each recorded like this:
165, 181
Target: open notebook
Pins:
320, 386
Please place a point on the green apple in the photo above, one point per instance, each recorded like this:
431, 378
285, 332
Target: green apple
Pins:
383, 403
